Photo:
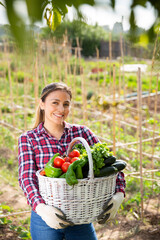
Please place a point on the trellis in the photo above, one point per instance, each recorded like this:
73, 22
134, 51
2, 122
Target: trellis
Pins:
85, 114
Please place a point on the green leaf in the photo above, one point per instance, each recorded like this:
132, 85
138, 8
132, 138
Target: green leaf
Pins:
56, 19
60, 6
112, 4
35, 10
77, 3
2, 4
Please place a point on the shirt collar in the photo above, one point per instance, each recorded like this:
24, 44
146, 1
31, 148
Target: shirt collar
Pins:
41, 129
67, 126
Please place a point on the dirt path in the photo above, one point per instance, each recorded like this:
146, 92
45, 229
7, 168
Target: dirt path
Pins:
129, 227
13, 197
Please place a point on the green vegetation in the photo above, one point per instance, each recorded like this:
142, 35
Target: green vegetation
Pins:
92, 82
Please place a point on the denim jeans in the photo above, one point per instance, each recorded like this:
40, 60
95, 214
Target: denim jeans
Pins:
41, 231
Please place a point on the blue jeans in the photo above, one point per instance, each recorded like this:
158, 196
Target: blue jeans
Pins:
41, 231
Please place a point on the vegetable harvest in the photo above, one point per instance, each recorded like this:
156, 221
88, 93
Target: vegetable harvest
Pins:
76, 166
51, 171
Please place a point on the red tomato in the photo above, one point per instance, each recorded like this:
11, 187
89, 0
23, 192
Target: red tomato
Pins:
74, 153
67, 159
74, 159
58, 162
65, 166
42, 173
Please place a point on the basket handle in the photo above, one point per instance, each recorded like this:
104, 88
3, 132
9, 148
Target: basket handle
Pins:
86, 145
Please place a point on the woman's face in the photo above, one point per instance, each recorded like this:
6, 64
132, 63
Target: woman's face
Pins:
56, 107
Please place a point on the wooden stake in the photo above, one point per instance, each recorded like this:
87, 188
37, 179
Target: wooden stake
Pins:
2, 132
25, 104
110, 46
105, 76
114, 110
154, 126
78, 51
140, 136
83, 97
119, 98
65, 56
74, 84
58, 48
44, 75
36, 85
11, 94
97, 52
152, 66
110, 56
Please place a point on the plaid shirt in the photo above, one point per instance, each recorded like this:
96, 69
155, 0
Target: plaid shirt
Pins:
35, 149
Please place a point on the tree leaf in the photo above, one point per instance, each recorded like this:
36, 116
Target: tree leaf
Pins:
56, 19
2, 4
112, 4
35, 10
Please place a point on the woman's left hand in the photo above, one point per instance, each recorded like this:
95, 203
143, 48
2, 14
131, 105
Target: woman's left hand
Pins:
110, 208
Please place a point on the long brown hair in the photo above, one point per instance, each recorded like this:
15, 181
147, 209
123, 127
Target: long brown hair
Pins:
45, 92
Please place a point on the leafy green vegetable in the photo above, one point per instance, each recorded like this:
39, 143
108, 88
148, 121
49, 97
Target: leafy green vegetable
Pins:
99, 151
79, 147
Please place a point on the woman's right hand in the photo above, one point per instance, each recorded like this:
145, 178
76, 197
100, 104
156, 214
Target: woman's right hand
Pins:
53, 217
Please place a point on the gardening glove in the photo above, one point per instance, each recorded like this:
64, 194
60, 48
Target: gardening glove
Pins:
110, 208
53, 217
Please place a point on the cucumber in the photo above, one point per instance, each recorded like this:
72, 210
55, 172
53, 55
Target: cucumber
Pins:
107, 171
109, 160
85, 170
119, 164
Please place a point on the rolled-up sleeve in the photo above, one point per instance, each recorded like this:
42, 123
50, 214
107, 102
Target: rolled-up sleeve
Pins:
27, 172
120, 183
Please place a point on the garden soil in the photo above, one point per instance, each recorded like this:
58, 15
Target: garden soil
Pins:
126, 226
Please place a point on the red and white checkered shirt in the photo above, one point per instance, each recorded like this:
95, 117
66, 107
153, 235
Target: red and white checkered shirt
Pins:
37, 147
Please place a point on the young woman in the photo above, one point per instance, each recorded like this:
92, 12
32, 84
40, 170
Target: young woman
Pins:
52, 134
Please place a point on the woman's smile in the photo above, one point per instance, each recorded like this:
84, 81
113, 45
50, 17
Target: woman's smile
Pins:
58, 115
56, 108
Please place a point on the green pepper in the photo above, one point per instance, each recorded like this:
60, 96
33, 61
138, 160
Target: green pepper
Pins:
79, 174
50, 170
70, 174
63, 175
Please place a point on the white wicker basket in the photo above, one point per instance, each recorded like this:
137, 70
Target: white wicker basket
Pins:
83, 202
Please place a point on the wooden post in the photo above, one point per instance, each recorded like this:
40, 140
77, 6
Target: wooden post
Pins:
110, 56
65, 56
83, 97
122, 56
11, 94
154, 126
110, 46
78, 51
44, 76
123, 85
140, 135
105, 75
2, 132
97, 52
74, 84
36, 85
152, 66
25, 103
58, 63
119, 98
114, 110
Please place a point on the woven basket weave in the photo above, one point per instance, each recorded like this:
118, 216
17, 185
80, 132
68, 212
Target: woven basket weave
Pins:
83, 202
